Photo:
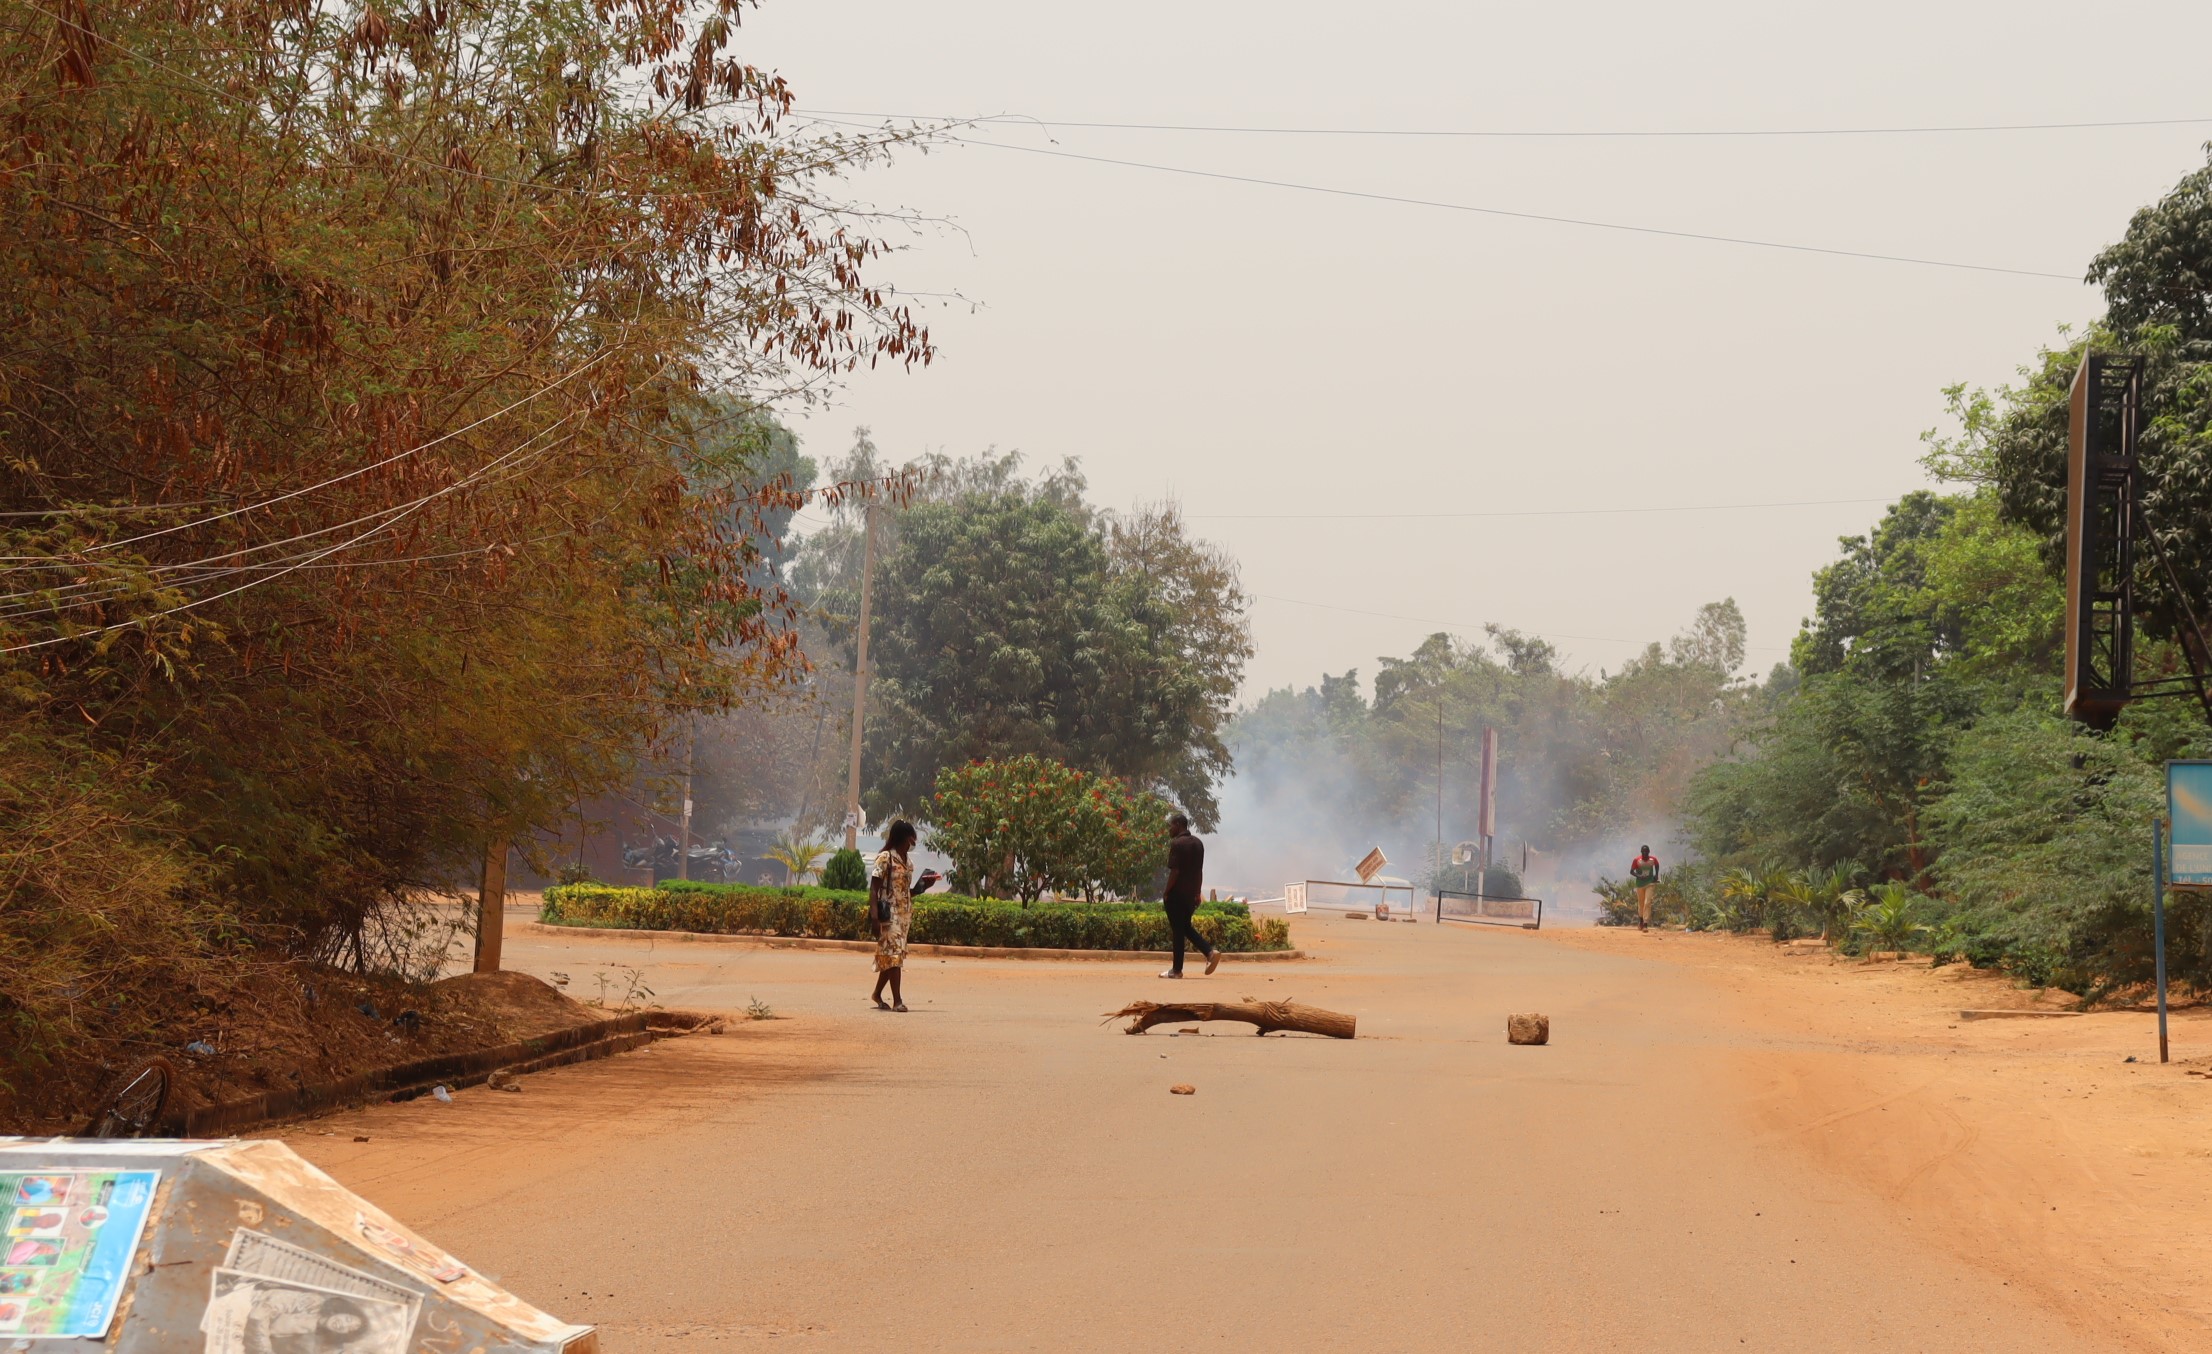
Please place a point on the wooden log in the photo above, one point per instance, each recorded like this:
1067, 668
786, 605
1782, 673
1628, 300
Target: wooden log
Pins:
1267, 1016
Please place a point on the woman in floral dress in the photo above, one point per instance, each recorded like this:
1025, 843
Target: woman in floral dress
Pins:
891, 903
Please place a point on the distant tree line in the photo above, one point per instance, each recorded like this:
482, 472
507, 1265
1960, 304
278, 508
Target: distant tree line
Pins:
1585, 761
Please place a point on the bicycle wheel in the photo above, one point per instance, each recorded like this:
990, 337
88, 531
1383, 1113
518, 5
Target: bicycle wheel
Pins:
133, 1102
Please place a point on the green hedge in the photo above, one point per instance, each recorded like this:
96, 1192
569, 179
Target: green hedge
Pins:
835, 914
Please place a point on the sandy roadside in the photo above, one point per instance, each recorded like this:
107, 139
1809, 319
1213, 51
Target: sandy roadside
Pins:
2028, 1147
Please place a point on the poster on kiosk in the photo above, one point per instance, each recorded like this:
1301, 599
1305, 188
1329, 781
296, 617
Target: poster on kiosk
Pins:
2189, 809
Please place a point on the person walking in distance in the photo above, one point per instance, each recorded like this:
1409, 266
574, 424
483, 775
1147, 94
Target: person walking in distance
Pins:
1645, 871
1186, 869
891, 907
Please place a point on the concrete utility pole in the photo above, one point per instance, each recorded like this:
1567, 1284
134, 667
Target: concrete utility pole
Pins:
860, 678
1486, 807
491, 908
1436, 853
683, 843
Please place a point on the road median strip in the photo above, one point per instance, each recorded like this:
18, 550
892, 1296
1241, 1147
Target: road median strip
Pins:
763, 940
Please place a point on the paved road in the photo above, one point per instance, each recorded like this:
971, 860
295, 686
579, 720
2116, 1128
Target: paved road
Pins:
996, 1171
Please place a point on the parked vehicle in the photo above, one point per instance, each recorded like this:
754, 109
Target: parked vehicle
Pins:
716, 864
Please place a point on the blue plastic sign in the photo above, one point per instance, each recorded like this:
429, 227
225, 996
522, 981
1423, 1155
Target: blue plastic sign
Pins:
2189, 809
66, 1255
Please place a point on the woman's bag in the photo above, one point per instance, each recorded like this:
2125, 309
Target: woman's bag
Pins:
879, 900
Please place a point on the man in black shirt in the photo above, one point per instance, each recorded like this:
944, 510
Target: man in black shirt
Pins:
1186, 867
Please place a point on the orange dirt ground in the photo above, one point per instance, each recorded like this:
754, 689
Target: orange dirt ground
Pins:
1723, 1146
2030, 1146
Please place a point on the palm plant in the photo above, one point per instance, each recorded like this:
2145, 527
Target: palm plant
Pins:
1774, 884
1795, 891
1831, 886
1887, 916
1742, 898
1824, 895
798, 856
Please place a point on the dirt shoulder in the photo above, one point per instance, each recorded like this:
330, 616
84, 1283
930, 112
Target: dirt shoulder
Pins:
2031, 1147
287, 1026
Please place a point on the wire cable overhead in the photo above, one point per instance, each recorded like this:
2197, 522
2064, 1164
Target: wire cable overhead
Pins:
1510, 213
1528, 133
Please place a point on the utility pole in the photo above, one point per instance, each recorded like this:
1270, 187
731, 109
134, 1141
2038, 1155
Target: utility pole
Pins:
1486, 805
813, 764
860, 677
1436, 854
2158, 922
683, 843
491, 907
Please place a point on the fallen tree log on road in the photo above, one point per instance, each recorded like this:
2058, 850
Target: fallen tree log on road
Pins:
1268, 1016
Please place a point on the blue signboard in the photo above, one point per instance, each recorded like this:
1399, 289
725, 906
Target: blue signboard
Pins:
71, 1232
2189, 808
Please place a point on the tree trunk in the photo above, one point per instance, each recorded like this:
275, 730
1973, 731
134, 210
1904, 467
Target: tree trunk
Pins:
1269, 1016
491, 908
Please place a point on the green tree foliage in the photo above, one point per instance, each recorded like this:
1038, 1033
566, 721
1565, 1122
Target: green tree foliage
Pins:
1025, 826
1925, 743
1925, 739
1011, 618
2158, 298
1939, 611
2046, 848
846, 870
363, 497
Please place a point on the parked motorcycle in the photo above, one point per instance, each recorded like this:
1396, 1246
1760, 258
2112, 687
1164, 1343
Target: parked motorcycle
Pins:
658, 855
716, 864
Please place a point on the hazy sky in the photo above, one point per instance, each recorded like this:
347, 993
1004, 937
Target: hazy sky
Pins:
1261, 353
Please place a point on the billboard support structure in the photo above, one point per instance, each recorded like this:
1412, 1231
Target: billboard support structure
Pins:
2104, 522
2158, 924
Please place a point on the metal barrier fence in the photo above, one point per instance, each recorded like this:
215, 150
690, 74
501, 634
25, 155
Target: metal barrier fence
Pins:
1344, 895
1475, 908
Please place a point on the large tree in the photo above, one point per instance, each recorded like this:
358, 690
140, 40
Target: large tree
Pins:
1012, 618
361, 501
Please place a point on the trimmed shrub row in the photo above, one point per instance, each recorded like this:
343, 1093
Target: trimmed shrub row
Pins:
836, 914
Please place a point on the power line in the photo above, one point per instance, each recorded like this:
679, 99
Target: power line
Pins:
1517, 215
547, 388
1525, 512
1505, 134
117, 586
325, 552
